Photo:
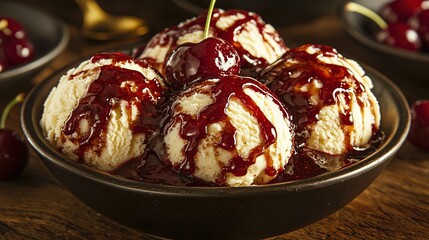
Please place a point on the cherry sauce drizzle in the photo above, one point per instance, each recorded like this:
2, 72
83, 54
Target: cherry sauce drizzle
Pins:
103, 95
284, 78
249, 63
194, 129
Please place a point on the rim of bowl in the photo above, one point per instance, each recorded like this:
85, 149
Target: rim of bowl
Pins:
355, 30
386, 151
42, 60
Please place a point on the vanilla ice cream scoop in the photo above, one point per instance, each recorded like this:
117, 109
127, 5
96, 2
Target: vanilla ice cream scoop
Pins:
230, 131
100, 112
257, 43
329, 97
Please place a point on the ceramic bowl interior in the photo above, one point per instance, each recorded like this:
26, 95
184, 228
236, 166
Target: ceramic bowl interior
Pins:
48, 35
220, 212
411, 64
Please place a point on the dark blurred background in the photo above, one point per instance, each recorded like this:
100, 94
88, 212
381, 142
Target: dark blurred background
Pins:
165, 11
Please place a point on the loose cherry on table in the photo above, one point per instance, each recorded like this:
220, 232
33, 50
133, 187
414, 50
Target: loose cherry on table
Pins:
419, 131
210, 58
400, 35
400, 10
13, 151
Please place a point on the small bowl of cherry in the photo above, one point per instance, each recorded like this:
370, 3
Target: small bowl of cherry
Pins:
29, 39
397, 29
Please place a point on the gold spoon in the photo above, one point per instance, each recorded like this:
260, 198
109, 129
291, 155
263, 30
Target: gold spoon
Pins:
99, 25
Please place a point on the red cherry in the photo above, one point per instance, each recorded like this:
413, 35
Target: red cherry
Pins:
13, 151
400, 35
420, 23
17, 51
13, 154
400, 10
11, 29
210, 58
419, 131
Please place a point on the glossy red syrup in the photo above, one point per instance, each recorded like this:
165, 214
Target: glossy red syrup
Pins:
298, 68
303, 163
104, 94
249, 63
194, 128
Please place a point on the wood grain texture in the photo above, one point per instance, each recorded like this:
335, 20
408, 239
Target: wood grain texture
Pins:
395, 206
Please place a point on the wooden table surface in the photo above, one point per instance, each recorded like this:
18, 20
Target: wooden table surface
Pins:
395, 206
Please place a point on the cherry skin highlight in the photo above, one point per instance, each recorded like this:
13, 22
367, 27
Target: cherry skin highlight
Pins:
18, 51
400, 35
190, 63
420, 23
15, 47
11, 29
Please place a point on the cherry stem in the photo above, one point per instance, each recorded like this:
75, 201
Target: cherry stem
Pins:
209, 18
355, 7
18, 99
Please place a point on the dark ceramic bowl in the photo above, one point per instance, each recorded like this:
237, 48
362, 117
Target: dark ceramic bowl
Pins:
49, 37
411, 64
272, 11
220, 212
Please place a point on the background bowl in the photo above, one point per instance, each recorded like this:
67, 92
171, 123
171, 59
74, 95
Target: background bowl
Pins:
272, 11
49, 37
413, 65
220, 212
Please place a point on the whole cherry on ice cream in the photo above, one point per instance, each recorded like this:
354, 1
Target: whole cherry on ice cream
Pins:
210, 58
419, 131
13, 151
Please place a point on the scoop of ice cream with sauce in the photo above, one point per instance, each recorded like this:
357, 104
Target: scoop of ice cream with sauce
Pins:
102, 112
230, 131
257, 42
329, 97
